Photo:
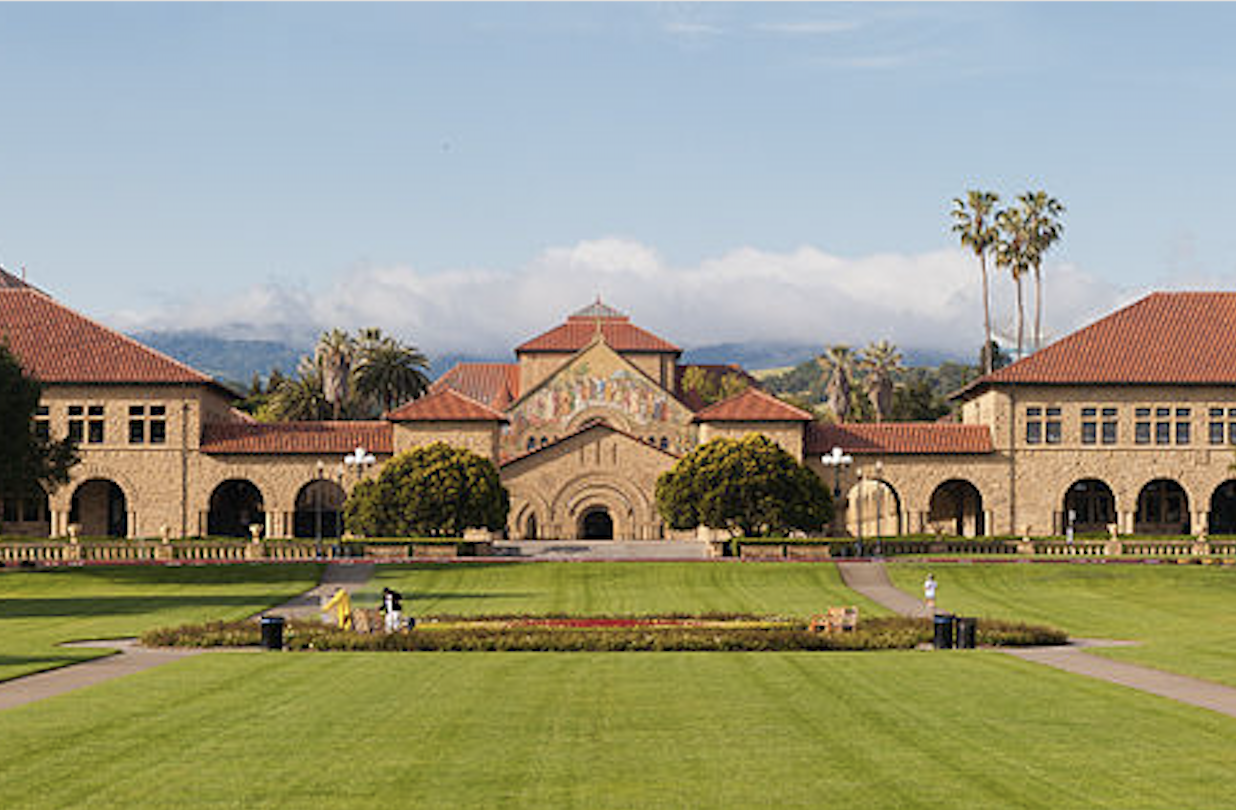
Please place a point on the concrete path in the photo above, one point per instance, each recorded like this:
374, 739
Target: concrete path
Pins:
605, 550
308, 605
871, 580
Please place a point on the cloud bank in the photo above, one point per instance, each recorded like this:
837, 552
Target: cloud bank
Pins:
926, 301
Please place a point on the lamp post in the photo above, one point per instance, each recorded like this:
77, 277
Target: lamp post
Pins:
317, 507
879, 482
360, 460
836, 459
339, 470
858, 505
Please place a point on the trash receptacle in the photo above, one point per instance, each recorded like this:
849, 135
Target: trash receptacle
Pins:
943, 625
272, 632
966, 630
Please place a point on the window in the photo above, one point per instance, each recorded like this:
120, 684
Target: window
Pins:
531, 443
1216, 426
42, 423
664, 442
1053, 426
1162, 432
1109, 426
77, 425
1089, 427
149, 424
158, 424
1034, 425
137, 424
94, 434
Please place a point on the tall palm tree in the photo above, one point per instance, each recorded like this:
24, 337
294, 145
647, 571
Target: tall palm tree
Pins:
1013, 254
1043, 229
387, 372
880, 361
334, 355
300, 397
974, 221
838, 361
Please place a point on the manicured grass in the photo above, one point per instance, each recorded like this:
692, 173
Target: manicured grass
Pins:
1183, 615
40, 609
617, 588
619, 730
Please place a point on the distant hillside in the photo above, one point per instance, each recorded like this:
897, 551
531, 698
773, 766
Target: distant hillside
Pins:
224, 358
784, 356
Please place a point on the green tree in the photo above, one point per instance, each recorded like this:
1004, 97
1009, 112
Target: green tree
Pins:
1041, 215
749, 486
974, 222
880, 362
430, 491
28, 459
388, 373
299, 398
838, 363
917, 401
334, 355
1013, 252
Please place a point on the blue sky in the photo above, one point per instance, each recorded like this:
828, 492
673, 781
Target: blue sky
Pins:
466, 174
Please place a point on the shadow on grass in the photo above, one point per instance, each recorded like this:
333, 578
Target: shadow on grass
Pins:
235, 574
93, 607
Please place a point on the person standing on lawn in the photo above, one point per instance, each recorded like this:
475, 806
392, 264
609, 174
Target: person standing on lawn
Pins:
929, 592
392, 609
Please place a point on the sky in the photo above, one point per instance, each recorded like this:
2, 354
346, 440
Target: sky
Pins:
465, 175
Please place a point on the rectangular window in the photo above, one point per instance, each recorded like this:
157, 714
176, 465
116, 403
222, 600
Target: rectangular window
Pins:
1141, 432
158, 424
1162, 432
1162, 413
1231, 432
1216, 433
1034, 432
1183, 413
42, 423
1089, 432
1053, 432
137, 424
1182, 432
77, 425
94, 433
1109, 433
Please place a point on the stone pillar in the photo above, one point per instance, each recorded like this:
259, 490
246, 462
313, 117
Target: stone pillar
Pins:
131, 526
1126, 520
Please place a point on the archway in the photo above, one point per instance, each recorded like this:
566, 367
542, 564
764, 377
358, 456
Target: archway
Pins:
234, 506
873, 509
26, 515
596, 524
1162, 508
530, 528
956, 507
1090, 505
99, 506
1223, 509
319, 510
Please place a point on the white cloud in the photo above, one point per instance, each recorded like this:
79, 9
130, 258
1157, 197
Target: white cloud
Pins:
808, 27
921, 301
693, 29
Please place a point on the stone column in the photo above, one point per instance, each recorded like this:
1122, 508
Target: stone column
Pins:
1127, 520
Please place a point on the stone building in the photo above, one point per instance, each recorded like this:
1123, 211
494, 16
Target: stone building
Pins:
1127, 421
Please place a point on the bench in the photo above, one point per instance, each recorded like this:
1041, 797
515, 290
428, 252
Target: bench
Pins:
837, 620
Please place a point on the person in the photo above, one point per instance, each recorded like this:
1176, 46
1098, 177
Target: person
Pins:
392, 609
929, 592
341, 602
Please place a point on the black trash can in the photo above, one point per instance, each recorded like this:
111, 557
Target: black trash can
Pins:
967, 629
272, 632
943, 626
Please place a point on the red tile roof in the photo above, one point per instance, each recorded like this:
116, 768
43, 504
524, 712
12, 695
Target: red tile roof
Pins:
1173, 338
493, 384
57, 345
752, 405
578, 331
316, 438
898, 438
447, 405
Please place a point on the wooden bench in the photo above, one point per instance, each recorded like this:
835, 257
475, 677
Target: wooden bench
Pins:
837, 620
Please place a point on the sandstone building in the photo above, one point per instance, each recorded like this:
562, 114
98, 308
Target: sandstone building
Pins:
1130, 420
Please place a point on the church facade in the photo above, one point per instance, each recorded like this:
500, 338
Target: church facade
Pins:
1129, 421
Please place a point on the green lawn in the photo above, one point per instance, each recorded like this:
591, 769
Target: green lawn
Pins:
800, 589
1183, 615
40, 609
545, 730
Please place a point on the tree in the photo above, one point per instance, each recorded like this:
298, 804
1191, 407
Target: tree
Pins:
838, 362
749, 486
1041, 215
299, 398
28, 458
1013, 254
710, 387
431, 491
880, 361
974, 222
333, 355
387, 372
917, 401
993, 357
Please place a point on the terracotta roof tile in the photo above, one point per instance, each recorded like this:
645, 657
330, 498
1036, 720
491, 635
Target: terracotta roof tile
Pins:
752, 405
58, 345
317, 438
447, 405
576, 333
715, 372
898, 438
1165, 338
493, 384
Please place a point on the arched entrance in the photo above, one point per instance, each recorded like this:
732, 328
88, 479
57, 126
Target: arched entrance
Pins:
1090, 505
873, 509
99, 506
596, 524
1162, 508
319, 510
26, 515
234, 506
1223, 509
956, 507
530, 528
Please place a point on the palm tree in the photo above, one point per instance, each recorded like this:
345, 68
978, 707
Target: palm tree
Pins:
974, 221
1013, 254
1043, 229
300, 397
333, 356
838, 361
880, 361
387, 372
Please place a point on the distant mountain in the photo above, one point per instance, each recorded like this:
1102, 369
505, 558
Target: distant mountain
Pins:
226, 359
759, 355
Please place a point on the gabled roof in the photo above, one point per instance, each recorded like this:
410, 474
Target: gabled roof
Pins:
493, 384
591, 426
898, 438
578, 331
714, 373
1166, 338
315, 438
8, 281
752, 405
446, 405
57, 345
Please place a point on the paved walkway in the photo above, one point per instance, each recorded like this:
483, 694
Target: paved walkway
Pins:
308, 605
871, 580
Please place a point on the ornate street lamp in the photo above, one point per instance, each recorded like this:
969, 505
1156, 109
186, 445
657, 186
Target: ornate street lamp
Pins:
836, 459
360, 460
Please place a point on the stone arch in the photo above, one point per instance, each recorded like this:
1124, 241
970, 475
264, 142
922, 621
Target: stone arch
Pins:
608, 416
956, 507
1162, 508
629, 509
1089, 506
596, 523
101, 507
1222, 518
235, 504
873, 509
319, 509
529, 518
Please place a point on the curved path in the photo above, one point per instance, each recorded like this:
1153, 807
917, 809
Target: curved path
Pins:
871, 580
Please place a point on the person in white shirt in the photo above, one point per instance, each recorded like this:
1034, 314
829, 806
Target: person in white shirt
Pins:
929, 592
